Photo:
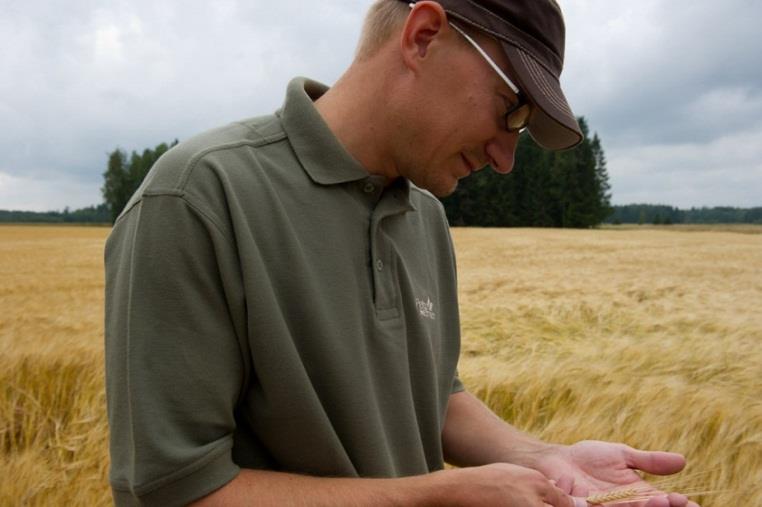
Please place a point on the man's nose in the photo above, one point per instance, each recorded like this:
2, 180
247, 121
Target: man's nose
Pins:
501, 151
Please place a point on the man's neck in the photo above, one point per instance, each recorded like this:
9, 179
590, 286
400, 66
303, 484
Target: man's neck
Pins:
356, 110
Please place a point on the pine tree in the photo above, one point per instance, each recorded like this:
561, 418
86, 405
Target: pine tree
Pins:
545, 189
122, 179
115, 185
602, 180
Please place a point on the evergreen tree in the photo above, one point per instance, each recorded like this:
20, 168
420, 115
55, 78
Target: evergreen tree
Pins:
116, 185
546, 189
122, 179
602, 180
137, 170
535, 201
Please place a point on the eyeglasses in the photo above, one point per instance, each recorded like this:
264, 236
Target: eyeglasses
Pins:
517, 117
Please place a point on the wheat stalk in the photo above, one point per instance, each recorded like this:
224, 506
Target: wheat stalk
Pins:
619, 495
635, 494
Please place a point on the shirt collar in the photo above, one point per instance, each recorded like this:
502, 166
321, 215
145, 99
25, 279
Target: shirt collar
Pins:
323, 157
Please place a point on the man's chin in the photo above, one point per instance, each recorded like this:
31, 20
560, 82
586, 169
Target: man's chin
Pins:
442, 192
439, 188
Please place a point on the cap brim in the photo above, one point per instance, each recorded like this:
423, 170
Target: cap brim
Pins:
552, 124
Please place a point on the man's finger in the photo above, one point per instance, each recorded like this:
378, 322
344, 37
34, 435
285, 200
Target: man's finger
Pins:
580, 490
659, 501
677, 500
655, 462
565, 483
579, 502
558, 498
671, 500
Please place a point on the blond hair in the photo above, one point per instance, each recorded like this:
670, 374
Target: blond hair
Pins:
384, 19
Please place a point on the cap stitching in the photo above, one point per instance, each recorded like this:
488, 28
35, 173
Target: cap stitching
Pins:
499, 36
552, 98
549, 93
545, 87
510, 40
539, 78
513, 41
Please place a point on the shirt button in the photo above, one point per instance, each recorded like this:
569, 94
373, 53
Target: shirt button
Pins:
369, 188
379, 265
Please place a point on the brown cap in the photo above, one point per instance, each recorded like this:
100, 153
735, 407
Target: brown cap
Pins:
532, 34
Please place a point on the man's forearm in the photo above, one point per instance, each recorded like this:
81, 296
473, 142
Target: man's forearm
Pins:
473, 435
267, 488
498, 485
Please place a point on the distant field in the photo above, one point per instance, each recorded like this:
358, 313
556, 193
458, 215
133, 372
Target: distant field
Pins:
648, 336
739, 228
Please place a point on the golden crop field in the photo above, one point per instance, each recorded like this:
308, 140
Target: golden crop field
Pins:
648, 336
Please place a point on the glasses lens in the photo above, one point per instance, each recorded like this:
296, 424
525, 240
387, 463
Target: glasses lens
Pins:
519, 118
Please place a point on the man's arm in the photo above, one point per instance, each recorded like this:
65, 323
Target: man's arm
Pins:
473, 435
286, 490
499, 485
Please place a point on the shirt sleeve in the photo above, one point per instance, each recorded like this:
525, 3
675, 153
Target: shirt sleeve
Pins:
174, 361
457, 385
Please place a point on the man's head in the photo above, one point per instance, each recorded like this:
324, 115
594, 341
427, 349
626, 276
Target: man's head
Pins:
471, 74
531, 34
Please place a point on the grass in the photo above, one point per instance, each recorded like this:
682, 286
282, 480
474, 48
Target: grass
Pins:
647, 336
52, 409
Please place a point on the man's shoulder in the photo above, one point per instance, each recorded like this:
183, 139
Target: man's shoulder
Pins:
173, 170
189, 162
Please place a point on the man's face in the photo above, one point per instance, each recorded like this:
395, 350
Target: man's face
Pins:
457, 125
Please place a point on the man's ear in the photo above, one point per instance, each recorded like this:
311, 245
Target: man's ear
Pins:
425, 23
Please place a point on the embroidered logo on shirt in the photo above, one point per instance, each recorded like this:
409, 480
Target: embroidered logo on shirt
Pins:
426, 308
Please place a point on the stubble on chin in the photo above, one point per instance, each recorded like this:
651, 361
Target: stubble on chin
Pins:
441, 190
438, 184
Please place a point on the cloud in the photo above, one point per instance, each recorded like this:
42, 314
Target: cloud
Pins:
724, 172
80, 79
642, 71
138, 73
31, 194
674, 89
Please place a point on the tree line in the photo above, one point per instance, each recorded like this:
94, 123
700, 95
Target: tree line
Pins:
666, 215
547, 189
99, 214
124, 175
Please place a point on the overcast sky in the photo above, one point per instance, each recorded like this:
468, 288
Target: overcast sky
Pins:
672, 87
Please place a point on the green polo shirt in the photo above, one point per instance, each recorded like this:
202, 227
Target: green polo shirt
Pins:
271, 305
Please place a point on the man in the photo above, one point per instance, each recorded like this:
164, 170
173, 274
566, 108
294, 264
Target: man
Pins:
281, 312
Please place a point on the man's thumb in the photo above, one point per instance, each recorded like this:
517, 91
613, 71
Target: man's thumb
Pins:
655, 462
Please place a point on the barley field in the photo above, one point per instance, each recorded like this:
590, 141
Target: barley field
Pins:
650, 336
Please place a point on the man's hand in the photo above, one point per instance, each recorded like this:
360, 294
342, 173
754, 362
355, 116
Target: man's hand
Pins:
590, 466
502, 485
496, 485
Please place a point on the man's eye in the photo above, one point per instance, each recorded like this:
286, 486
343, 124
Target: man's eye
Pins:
510, 105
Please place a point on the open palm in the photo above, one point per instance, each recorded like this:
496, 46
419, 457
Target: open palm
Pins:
590, 466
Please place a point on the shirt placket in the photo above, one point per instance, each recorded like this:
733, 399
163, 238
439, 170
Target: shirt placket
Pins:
382, 259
